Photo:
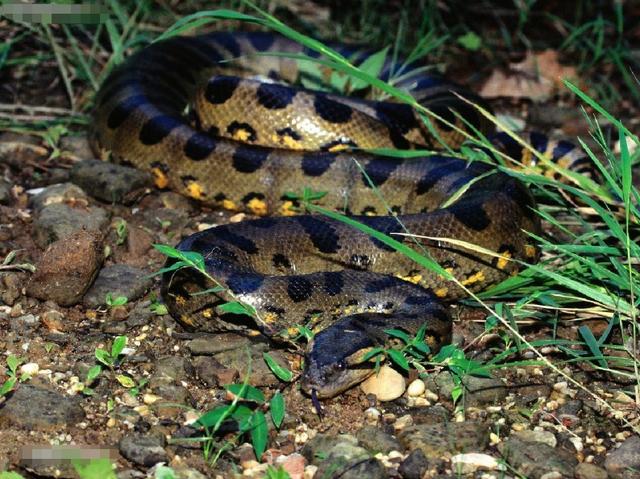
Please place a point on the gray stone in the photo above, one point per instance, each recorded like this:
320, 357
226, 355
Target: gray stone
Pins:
11, 284
109, 182
253, 363
444, 439
207, 369
144, 450
535, 459
216, 343
584, 470
414, 466
31, 407
119, 280
60, 221
375, 440
140, 315
5, 192
57, 194
624, 462
479, 391
77, 145
67, 268
175, 368
24, 324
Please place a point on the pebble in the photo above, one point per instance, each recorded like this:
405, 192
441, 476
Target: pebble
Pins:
536, 459
441, 439
5, 192
471, 462
414, 466
11, 284
143, 450
67, 268
25, 324
387, 385
119, 280
416, 388
372, 415
626, 458
585, 470
30, 369
109, 182
58, 194
35, 408
544, 437
375, 440
479, 391
293, 464
60, 221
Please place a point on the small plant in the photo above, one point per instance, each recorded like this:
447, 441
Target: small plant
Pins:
121, 231
12, 364
111, 360
273, 473
114, 302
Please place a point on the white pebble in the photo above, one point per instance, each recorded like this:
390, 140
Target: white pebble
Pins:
30, 368
416, 388
387, 385
471, 462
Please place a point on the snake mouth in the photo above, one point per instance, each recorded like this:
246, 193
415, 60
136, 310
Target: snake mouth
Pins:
316, 403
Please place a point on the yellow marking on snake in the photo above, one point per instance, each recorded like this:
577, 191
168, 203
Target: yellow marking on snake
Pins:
415, 278
503, 261
181, 300
287, 209
195, 191
257, 206
229, 205
529, 250
207, 313
476, 278
339, 147
159, 178
441, 292
241, 135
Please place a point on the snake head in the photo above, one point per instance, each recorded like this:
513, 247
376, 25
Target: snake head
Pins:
335, 358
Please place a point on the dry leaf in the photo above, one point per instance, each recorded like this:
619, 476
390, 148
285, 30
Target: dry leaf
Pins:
537, 77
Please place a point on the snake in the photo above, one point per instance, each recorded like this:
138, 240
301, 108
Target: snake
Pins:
222, 118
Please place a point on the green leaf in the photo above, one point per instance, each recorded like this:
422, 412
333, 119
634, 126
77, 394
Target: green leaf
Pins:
236, 307
13, 362
10, 475
94, 468
398, 358
164, 472
373, 66
125, 381
397, 333
593, 345
283, 374
246, 392
93, 373
371, 353
456, 392
118, 345
259, 433
8, 386
277, 409
470, 41
104, 357
210, 418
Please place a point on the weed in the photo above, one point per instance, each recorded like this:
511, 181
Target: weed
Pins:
113, 302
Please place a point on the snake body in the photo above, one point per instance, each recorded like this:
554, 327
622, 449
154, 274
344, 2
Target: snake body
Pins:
250, 143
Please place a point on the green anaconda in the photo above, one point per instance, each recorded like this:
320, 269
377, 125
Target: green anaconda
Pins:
190, 110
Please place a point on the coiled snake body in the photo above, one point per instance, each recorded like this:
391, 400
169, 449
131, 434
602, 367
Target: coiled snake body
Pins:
309, 269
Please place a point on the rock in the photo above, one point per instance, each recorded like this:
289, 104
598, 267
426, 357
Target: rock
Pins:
624, 462
253, 362
545, 437
140, 315
25, 324
474, 461
109, 182
57, 194
77, 145
293, 464
387, 385
416, 388
67, 268
31, 407
5, 192
60, 221
175, 368
444, 439
175, 398
414, 466
479, 391
11, 284
340, 456
584, 470
143, 450
535, 459
216, 343
212, 373
119, 280
375, 440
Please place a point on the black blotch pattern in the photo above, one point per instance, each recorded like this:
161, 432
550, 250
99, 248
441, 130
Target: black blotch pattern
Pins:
161, 166
428, 81
321, 233
472, 216
123, 109
280, 261
331, 110
432, 177
252, 196
186, 179
236, 126
507, 144
227, 235
220, 89
562, 148
290, 132
275, 97
415, 300
316, 163
398, 140
199, 146
264, 223
228, 41
521, 195
341, 142
383, 224
261, 41
220, 197
333, 283
380, 284
299, 289
368, 210
539, 141
379, 169
157, 128
446, 114
213, 131
244, 283
397, 116
270, 308
248, 159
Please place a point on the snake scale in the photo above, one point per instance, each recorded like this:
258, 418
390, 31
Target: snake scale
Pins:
211, 117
